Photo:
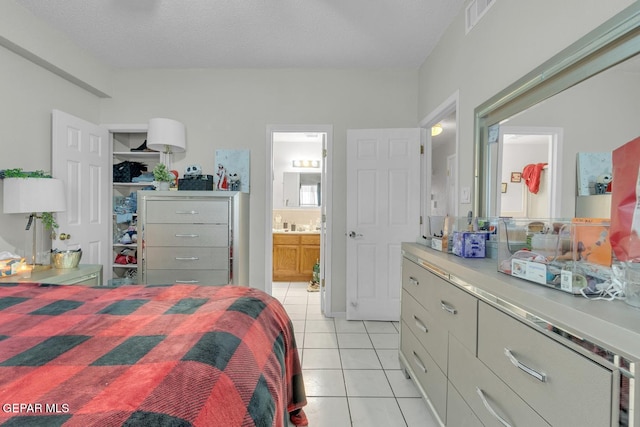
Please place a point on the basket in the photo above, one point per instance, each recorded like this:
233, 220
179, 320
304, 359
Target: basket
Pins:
126, 171
200, 183
66, 259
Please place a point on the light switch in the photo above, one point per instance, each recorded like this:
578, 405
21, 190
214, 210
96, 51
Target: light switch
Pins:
465, 195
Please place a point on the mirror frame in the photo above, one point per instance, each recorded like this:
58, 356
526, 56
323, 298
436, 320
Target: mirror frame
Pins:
612, 42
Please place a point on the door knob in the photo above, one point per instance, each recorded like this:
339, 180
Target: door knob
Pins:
353, 234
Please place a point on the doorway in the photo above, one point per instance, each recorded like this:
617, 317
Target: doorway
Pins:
298, 197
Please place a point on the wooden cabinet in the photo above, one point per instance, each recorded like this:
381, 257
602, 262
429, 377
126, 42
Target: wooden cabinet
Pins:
294, 255
193, 237
480, 359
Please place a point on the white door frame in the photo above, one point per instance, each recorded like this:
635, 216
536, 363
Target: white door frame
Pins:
326, 232
444, 109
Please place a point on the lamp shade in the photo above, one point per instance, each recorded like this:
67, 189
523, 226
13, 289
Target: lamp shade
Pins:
29, 195
166, 135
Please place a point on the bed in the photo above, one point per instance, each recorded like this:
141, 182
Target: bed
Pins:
137, 355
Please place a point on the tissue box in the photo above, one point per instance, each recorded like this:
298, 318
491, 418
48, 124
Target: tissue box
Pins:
10, 267
469, 244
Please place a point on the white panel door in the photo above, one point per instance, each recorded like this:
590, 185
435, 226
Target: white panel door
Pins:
80, 157
383, 210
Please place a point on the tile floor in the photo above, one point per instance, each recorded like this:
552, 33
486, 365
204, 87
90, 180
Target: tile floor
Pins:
351, 371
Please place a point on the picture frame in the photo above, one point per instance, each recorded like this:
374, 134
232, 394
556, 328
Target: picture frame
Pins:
504, 187
516, 176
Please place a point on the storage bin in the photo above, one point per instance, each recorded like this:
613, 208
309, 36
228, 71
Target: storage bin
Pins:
201, 183
126, 171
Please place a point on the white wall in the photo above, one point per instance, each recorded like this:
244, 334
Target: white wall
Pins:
512, 39
232, 108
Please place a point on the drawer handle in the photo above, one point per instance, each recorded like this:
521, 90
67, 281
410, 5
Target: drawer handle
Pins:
413, 281
490, 409
187, 281
535, 374
186, 212
191, 258
416, 358
449, 309
420, 324
187, 235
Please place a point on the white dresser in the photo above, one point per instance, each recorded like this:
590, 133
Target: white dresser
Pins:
488, 349
197, 237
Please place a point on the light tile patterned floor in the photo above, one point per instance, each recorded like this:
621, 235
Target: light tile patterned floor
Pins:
351, 371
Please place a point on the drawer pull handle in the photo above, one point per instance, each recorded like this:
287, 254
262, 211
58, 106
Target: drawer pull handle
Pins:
187, 281
186, 213
416, 358
449, 309
490, 409
191, 258
413, 281
535, 374
187, 235
420, 324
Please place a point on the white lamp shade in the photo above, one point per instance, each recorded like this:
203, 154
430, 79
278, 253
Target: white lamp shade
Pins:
166, 135
29, 195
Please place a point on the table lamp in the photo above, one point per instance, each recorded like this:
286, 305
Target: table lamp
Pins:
34, 196
167, 136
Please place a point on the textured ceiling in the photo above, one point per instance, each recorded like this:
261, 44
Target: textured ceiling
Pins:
251, 33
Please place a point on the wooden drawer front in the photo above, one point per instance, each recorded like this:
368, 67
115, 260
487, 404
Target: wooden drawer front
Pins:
458, 412
417, 281
575, 391
200, 277
187, 211
428, 332
310, 239
286, 239
189, 235
177, 258
468, 375
426, 370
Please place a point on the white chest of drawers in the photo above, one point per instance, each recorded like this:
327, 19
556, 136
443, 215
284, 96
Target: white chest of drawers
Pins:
196, 237
488, 349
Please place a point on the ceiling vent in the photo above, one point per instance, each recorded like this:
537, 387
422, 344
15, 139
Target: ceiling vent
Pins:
475, 11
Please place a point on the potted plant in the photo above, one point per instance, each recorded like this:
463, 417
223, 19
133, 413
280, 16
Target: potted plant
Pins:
162, 177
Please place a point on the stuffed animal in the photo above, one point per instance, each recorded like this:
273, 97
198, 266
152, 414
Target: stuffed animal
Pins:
603, 183
234, 182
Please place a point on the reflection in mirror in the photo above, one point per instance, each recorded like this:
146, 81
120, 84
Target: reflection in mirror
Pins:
301, 189
588, 96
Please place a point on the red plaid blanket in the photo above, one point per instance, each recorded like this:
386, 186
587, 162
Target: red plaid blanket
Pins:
146, 355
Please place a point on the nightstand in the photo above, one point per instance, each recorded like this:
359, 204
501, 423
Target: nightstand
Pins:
84, 274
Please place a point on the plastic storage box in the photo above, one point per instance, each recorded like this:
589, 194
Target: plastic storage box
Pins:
571, 255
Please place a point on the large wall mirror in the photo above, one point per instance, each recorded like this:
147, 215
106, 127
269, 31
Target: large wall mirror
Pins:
585, 99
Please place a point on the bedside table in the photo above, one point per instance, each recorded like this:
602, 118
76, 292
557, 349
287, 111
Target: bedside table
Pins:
84, 274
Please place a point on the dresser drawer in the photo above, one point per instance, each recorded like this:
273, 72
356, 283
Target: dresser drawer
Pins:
188, 235
187, 211
429, 333
426, 370
484, 392
199, 277
417, 281
458, 412
181, 258
563, 386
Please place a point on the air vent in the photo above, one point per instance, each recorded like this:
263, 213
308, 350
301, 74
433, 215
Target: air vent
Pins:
475, 11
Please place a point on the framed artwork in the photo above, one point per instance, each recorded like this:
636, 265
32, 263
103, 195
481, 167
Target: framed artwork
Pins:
504, 187
232, 170
516, 176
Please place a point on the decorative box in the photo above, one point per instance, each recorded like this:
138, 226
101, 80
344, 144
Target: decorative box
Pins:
469, 244
199, 183
11, 266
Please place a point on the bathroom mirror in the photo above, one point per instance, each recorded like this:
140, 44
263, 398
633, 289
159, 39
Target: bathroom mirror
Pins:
301, 189
590, 92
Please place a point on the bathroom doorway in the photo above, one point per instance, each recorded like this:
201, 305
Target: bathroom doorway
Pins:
298, 198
